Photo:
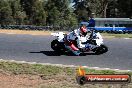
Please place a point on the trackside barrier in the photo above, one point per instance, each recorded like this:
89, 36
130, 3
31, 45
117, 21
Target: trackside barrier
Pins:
33, 27
100, 29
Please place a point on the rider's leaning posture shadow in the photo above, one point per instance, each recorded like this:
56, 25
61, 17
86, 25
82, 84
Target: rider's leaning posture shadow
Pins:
53, 53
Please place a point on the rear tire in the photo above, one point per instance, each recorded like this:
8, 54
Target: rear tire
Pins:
58, 47
55, 45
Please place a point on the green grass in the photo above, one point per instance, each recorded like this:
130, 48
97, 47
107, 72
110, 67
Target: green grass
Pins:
93, 71
24, 68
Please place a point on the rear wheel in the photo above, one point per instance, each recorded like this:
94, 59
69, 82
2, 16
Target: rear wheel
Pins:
57, 46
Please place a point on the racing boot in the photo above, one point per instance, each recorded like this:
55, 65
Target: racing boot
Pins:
73, 49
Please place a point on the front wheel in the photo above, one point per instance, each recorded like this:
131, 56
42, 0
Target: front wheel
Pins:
102, 49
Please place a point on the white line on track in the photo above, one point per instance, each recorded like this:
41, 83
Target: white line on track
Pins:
11, 33
126, 38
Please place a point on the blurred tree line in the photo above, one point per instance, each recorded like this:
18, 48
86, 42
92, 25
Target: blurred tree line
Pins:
37, 12
60, 12
103, 8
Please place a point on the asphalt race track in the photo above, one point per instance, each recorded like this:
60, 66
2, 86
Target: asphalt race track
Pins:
37, 49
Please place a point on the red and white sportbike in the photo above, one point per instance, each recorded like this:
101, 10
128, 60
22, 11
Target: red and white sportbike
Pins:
58, 44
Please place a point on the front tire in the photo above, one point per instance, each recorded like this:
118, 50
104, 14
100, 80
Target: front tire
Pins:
102, 49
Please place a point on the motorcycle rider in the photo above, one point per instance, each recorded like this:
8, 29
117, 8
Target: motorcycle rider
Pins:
77, 35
